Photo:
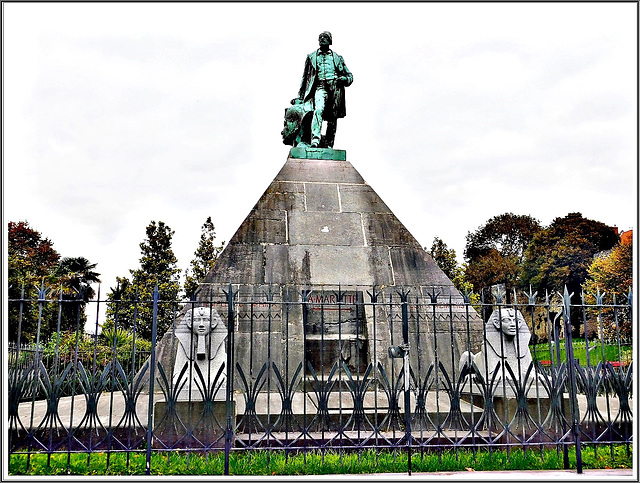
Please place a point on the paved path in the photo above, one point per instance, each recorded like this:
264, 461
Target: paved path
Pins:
526, 475
111, 407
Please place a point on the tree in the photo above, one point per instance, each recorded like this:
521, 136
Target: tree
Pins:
31, 256
445, 258
611, 275
75, 275
562, 253
491, 269
35, 265
494, 251
31, 266
613, 272
158, 266
509, 234
205, 258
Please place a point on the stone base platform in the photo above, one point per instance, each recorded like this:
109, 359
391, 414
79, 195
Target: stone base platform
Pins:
111, 406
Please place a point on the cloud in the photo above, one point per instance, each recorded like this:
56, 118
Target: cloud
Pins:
119, 114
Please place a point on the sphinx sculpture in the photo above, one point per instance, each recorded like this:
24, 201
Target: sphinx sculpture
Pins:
200, 357
506, 341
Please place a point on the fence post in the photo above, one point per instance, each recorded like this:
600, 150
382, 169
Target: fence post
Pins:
404, 297
152, 377
229, 396
573, 404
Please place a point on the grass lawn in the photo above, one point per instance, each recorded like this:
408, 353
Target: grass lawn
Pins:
316, 463
542, 352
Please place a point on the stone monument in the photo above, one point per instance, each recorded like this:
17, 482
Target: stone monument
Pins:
506, 343
200, 355
504, 369
319, 235
193, 356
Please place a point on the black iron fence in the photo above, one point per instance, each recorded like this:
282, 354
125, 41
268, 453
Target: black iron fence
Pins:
329, 369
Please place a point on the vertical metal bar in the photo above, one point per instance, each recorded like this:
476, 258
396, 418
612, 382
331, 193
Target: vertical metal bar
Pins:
269, 320
575, 424
16, 370
152, 377
340, 371
133, 365
113, 378
374, 299
305, 328
433, 298
251, 316
286, 366
522, 383
407, 390
453, 369
490, 421
586, 331
56, 364
617, 324
531, 296
229, 396
467, 299
599, 304
73, 389
505, 402
42, 292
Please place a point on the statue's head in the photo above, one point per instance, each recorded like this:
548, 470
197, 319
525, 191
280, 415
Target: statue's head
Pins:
325, 38
200, 322
509, 321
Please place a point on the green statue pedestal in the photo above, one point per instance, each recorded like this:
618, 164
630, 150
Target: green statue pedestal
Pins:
301, 152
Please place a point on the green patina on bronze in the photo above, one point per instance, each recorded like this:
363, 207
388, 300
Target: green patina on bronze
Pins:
320, 99
301, 152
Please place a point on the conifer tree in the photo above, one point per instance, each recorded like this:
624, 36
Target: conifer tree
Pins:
205, 258
158, 265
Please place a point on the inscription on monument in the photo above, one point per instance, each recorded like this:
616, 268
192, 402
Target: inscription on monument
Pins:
336, 331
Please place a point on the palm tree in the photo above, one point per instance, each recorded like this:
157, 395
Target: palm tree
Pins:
75, 276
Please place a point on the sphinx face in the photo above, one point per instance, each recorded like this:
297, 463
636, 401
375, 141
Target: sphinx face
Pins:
200, 321
507, 323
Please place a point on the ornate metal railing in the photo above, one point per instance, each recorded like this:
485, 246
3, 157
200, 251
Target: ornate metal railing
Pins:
332, 369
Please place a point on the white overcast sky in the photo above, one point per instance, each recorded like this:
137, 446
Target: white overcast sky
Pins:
116, 114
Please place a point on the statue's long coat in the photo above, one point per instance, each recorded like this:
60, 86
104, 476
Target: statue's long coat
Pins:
308, 85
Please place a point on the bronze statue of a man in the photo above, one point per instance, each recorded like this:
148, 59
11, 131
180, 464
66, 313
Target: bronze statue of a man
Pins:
322, 90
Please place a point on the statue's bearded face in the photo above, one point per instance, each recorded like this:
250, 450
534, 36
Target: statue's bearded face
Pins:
324, 39
292, 124
289, 132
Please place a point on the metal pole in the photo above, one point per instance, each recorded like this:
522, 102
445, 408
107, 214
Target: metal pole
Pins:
575, 424
407, 390
229, 396
152, 376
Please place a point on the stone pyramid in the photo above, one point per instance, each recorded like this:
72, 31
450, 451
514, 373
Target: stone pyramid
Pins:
320, 227
319, 224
